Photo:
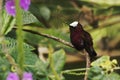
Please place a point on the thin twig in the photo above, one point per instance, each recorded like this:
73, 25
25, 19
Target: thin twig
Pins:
87, 65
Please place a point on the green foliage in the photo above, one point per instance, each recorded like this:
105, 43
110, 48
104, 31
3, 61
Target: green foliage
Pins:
95, 73
102, 69
7, 23
43, 41
29, 18
32, 63
112, 76
10, 48
43, 70
59, 60
45, 12
57, 14
4, 67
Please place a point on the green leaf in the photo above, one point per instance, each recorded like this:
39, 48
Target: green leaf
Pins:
95, 73
59, 60
4, 68
7, 23
100, 60
112, 76
29, 18
45, 12
30, 58
11, 46
102, 69
41, 68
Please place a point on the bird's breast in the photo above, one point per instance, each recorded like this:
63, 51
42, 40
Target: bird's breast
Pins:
77, 41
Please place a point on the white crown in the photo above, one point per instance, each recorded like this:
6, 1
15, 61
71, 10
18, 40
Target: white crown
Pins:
74, 24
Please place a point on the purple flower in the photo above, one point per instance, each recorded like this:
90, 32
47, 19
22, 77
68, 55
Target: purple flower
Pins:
10, 6
12, 76
27, 76
25, 4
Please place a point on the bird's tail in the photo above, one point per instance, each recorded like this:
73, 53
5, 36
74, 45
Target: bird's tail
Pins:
91, 52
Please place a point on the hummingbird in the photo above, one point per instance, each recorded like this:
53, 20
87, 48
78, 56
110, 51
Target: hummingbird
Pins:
81, 39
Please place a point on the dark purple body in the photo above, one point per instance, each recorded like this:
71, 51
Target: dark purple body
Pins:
82, 40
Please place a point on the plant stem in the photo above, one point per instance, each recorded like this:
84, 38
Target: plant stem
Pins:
52, 64
73, 70
1, 20
19, 36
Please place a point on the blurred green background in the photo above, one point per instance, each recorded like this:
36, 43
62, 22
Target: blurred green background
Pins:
101, 18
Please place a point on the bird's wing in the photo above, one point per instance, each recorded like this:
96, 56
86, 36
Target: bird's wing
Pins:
87, 39
89, 44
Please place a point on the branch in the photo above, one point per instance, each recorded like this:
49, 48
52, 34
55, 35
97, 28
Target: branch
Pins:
49, 36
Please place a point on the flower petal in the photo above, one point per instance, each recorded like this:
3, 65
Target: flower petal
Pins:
10, 7
27, 76
25, 4
12, 76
